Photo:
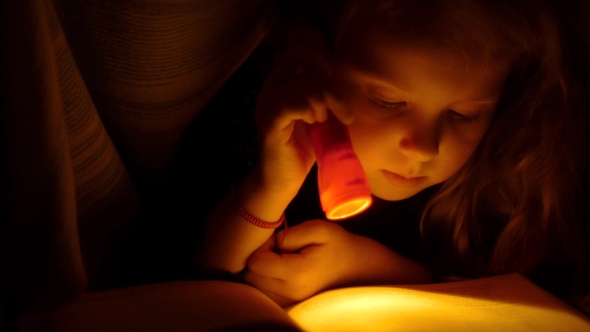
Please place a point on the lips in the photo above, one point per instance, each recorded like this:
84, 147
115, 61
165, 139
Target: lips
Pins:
402, 181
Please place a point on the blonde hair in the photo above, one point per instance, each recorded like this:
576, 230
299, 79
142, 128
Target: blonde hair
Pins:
523, 180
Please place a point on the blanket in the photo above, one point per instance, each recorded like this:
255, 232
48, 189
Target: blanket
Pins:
95, 96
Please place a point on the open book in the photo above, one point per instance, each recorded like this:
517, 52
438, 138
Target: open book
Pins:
504, 303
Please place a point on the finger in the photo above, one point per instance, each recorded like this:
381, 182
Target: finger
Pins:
311, 86
301, 132
317, 103
276, 289
268, 245
273, 265
340, 109
336, 103
263, 282
303, 97
290, 115
323, 95
272, 287
307, 106
309, 233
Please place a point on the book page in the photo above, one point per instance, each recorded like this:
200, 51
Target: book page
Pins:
504, 303
169, 306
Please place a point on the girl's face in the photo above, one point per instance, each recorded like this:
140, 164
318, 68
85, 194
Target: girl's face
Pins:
420, 111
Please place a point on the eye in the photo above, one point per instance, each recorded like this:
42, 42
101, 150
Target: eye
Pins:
462, 117
386, 104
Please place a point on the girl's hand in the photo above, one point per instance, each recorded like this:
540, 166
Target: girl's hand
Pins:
297, 93
317, 255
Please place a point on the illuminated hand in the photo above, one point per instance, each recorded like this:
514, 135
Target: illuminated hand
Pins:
314, 256
317, 255
299, 91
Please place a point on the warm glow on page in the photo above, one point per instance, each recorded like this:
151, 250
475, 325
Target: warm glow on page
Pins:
459, 307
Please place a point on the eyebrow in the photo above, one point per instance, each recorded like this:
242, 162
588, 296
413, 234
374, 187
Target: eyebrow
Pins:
387, 82
480, 101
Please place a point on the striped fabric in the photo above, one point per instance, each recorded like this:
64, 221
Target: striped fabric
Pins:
151, 65
124, 79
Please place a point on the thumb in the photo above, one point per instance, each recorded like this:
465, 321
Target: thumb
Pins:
268, 245
309, 233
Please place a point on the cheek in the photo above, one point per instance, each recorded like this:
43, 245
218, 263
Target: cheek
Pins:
362, 130
454, 152
371, 139
460, 140
364, 140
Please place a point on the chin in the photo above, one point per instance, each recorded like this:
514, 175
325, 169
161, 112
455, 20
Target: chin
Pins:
393, 194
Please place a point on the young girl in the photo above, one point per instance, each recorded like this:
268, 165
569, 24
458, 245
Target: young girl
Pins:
466, 116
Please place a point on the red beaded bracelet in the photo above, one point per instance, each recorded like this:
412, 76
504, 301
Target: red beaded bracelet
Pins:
259, 223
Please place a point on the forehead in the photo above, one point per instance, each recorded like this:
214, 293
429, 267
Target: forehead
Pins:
411, 65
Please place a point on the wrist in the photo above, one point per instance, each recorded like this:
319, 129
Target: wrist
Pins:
262, 201
279, 179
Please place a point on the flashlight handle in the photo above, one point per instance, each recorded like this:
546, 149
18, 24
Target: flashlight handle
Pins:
342, 182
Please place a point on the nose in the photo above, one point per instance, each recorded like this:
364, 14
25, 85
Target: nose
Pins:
419, 141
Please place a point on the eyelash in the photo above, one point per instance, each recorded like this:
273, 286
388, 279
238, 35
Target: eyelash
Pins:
385, 104
452, 113
462, 117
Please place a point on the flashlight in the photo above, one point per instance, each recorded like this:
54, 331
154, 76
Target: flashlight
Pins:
342, 182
